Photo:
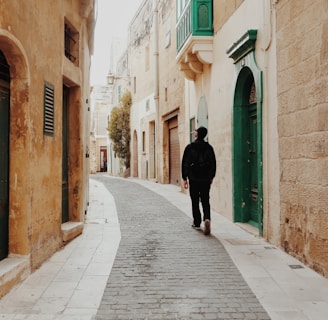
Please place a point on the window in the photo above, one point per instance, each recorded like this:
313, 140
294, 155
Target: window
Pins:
147, 105
147, 58
143, 141
71, 43
168, 32
119, 93
192, 129
49, 106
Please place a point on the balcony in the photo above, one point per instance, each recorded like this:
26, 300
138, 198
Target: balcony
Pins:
195, 37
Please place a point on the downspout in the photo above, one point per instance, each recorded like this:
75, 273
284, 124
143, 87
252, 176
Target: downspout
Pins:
156, 86
268, 12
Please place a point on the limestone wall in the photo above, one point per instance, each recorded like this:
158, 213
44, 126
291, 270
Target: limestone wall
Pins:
302, 52
32, 40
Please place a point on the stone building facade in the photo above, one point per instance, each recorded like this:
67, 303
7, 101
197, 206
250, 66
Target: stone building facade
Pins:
45, 49
100, 112
255, 75
157, 86
258, 83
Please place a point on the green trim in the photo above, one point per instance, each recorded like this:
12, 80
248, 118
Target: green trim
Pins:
192, 127
247, 72
196, 19
244, 45
202, 17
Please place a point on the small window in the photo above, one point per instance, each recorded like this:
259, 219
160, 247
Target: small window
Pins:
119, 93
71, 43
147, 58
135, 85
192, 129
143, 141
168, 32
147, 105
49, 108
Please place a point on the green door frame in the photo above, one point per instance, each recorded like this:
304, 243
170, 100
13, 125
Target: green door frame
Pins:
243, 53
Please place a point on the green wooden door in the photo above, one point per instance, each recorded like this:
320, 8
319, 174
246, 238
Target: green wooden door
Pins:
253, 170
247, 152
4, 170
65, 216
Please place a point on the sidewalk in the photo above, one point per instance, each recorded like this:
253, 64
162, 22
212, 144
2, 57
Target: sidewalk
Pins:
70, 285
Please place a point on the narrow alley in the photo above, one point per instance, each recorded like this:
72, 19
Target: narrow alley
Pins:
166, 270
139, 258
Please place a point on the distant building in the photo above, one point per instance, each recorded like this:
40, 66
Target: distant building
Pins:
157, 86
45, 49
101, 97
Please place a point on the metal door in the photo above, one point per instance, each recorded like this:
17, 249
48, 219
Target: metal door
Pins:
4, 170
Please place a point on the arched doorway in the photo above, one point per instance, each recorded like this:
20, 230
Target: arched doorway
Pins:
4, 155
247, 150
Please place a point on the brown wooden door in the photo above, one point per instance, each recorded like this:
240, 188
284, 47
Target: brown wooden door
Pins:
174, 152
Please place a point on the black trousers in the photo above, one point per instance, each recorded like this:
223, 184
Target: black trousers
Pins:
200, 190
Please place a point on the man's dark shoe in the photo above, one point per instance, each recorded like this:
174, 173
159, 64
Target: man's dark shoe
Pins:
195, 227
207, 229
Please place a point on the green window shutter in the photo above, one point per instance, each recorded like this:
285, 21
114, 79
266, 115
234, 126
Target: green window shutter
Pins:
49, 108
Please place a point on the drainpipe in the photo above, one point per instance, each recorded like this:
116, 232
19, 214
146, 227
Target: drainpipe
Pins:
156, 85
268, 12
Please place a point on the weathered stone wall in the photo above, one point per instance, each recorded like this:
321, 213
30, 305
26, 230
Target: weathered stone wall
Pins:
171, 85
302, 56
32, 40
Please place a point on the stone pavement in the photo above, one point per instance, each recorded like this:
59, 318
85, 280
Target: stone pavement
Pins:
148, 263
166, 270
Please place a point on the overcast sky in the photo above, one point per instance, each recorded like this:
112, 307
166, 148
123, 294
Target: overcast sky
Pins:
113, 19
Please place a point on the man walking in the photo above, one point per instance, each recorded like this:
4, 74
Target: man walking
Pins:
199, 167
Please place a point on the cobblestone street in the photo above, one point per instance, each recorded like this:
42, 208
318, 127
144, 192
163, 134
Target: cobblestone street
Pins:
166, 270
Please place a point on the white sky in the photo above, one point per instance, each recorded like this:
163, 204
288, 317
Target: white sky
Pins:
113, 20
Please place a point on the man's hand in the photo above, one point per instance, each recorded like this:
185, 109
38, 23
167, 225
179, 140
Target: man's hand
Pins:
185, 184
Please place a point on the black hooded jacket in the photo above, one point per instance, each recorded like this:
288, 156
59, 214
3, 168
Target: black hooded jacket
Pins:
198, 161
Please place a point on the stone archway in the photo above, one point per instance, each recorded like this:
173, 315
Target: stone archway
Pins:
19, 144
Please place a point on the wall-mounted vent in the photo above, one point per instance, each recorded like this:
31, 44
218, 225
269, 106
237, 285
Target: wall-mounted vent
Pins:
49, 109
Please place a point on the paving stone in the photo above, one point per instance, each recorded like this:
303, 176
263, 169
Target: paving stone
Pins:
166, 270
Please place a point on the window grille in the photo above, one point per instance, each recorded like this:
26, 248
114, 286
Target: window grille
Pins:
71, 43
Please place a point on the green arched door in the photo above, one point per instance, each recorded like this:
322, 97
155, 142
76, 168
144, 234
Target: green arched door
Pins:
247, 151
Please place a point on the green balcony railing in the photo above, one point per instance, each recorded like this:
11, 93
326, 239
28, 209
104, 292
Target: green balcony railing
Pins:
196, 19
